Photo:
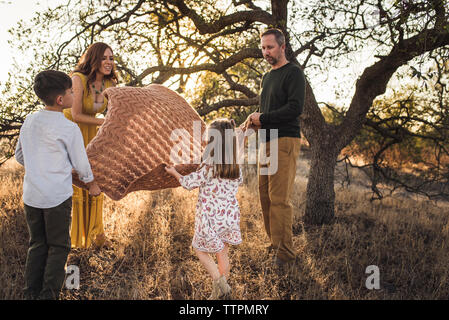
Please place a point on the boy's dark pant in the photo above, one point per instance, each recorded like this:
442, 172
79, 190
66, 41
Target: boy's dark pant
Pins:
48, 250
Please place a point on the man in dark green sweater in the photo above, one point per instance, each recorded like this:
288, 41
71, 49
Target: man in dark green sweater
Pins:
281, 104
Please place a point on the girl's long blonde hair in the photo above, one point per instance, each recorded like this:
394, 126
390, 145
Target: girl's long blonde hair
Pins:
225, 162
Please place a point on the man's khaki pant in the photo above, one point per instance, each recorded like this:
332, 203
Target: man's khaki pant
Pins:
275, 192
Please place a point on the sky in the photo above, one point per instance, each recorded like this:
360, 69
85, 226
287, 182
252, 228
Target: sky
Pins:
11, 11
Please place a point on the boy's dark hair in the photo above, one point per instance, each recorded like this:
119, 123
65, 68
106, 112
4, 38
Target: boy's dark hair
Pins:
49, 84
278, 34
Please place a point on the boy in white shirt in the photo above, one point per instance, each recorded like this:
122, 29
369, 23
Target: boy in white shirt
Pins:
49, 147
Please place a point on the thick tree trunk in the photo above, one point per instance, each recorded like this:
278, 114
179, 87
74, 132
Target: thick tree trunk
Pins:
322, 139
320, 186
327, 141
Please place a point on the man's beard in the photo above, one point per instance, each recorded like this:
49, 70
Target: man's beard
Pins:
271, 60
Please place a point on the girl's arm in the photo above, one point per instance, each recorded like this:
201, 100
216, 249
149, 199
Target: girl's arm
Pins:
190, 181
173, 172
77, 106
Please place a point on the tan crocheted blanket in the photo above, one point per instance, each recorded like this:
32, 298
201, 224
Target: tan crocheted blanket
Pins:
142, 129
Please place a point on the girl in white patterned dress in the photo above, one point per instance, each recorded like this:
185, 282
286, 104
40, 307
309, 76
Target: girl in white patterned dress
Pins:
217, 219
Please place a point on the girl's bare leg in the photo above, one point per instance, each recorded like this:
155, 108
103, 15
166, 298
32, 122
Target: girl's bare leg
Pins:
223, 261
208, 262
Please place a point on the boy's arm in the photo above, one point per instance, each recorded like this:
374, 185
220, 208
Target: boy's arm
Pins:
78, 157
80, 162
94, 189
18, 153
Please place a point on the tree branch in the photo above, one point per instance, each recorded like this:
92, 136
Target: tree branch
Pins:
224, 21
206, 108
374, 79
214, 67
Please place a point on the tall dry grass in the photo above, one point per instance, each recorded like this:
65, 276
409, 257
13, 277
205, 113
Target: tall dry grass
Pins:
151, 255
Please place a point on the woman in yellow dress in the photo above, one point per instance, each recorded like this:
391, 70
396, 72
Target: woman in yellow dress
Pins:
94, 73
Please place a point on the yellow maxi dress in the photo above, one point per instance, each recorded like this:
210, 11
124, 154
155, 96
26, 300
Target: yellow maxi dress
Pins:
87, 211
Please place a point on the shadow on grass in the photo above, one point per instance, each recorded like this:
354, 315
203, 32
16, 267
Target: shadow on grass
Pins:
410, 254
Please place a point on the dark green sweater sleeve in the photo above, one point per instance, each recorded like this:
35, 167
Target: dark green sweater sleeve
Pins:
295, 83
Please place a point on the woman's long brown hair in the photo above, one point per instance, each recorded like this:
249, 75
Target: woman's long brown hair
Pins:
90, 63
227, 150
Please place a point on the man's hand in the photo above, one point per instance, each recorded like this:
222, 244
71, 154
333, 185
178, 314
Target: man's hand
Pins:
94, 189
252, 122
255, 119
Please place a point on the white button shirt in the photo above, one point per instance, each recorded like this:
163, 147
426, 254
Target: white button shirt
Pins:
49, 146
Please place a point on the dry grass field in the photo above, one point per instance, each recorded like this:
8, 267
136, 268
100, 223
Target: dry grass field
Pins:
151, 255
